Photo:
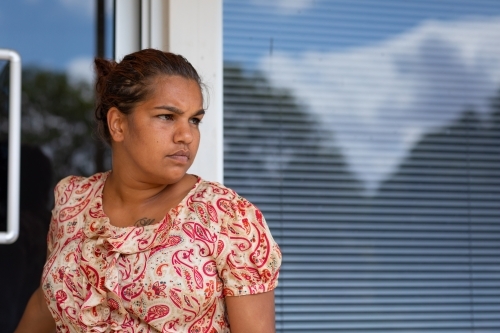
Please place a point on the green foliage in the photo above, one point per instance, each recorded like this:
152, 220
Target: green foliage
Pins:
57, 116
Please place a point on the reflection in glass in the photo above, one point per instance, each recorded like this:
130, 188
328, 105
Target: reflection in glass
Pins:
369, 135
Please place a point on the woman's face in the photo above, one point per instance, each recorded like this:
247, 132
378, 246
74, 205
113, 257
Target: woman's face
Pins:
161, 136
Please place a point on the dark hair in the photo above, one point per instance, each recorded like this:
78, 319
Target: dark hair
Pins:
125, 84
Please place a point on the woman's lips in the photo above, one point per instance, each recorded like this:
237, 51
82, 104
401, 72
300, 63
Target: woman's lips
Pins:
180, 156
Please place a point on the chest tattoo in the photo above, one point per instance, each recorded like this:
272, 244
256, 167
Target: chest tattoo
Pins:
144, 222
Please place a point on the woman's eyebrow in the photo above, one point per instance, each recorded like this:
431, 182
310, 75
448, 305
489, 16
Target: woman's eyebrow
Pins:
169, 108
177, 110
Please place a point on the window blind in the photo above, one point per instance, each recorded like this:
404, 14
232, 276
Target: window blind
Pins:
381, 181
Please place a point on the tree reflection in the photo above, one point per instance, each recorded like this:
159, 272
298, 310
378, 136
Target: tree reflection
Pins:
272, 141
57, 116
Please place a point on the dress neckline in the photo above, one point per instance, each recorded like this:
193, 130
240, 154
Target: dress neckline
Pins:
172, 212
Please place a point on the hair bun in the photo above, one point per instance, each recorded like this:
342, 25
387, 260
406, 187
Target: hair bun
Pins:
103, 67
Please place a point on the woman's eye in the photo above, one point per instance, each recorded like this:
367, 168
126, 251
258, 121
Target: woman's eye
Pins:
195, 121
166, 116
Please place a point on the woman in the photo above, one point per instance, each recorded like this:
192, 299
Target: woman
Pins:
147, 247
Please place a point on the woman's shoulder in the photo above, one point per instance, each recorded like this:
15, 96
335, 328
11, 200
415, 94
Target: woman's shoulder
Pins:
211, 190
76, 185
225, 199
77, 180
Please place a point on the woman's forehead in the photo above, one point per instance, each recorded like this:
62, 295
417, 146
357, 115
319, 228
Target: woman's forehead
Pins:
175, 90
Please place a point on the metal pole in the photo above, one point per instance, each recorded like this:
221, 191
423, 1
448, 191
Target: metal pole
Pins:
100, 29
100, 53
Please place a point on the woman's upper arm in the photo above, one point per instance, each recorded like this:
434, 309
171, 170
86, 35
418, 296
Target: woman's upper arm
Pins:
248, 258
37, 316
251, 313
248, 263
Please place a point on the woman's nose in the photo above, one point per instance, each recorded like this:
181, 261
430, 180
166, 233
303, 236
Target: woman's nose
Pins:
183, 132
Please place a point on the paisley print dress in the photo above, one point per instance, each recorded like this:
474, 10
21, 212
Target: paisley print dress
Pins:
168, 277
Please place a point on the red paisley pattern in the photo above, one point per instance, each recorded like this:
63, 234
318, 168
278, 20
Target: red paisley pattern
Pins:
167, 277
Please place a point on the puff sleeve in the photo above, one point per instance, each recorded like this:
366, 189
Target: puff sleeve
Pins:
248, 258
60, 197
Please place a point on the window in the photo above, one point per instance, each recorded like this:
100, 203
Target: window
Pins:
368, 132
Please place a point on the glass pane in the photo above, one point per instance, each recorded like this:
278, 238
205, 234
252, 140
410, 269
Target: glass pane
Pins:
368, 132
56, 42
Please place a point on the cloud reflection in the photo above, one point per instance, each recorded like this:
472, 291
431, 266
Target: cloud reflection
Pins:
286, 7
380, 99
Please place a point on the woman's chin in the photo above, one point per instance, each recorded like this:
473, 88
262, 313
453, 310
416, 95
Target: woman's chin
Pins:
173, 176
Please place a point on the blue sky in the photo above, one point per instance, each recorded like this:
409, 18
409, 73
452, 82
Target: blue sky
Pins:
49, 33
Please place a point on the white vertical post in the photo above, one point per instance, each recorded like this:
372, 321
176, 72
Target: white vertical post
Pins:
145, 24
14, 156
127, 27
160, 24
192, 28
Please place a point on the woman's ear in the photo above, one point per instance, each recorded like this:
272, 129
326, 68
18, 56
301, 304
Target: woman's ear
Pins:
116, 124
